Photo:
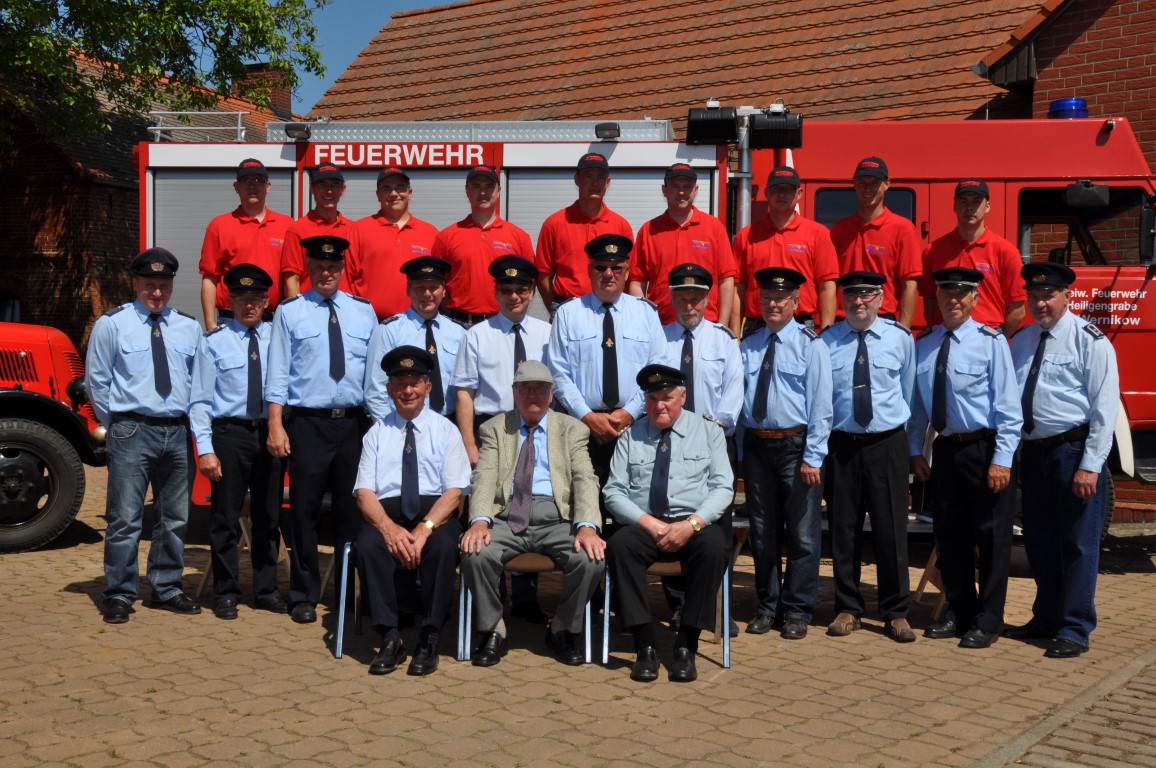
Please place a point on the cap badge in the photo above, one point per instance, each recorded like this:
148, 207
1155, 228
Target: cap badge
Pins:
688, 281
407, 362
157, 266
654, 377
1039, 278
327, 248
511, 272
427, 269
777, 280
246, 281
611, 248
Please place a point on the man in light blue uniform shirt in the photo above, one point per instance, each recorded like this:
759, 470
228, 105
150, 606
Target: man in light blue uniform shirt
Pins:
670, 489
787, 419
598, 344
229, 425
1070, 393
422, 325
410, 481
139, 378
872, 375
317, 371
965, 390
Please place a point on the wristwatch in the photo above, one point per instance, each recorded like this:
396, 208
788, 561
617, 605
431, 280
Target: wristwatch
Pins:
428, 524
695, 524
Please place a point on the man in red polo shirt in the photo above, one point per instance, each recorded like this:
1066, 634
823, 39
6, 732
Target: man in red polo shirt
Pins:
250, 234
786, 239
874, 239
384, 241
561, 257
972, 245
326, 185
471, 244
682, 234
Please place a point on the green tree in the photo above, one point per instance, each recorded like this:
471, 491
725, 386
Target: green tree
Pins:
72, 65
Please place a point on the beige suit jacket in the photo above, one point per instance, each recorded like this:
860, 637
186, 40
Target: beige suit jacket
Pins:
571, 473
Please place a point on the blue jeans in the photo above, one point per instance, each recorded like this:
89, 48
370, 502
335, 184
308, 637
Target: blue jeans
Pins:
784, 513
1062, 539
137, 454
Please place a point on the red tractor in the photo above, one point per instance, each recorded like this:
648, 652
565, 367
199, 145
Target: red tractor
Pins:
47, 434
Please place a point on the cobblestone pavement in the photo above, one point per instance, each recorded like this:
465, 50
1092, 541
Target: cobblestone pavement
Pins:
167, 690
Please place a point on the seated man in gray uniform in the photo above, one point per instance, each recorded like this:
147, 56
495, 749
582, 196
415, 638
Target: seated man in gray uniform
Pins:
534, 490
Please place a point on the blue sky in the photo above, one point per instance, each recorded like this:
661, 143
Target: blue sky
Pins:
344, 28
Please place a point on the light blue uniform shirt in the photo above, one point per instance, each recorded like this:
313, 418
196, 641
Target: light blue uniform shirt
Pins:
575, 354
119, 365
981, 388
442, 462
701, 481
221, 378
718, 370
800, 390
485, 361
299, 351
408, 328
1078, 384
891, 360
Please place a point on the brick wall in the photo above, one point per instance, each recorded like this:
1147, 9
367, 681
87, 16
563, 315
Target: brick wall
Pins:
1103, 51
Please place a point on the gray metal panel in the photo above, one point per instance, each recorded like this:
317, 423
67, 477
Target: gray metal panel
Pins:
484, 130
184, 202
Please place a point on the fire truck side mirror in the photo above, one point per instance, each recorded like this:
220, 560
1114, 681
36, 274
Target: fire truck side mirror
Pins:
1085, 194
1147, 231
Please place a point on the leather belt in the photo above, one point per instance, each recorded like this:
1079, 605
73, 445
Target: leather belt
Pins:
865, 436
1072, 435
241, 422
966, 437
328, 413
152, 421
777, 434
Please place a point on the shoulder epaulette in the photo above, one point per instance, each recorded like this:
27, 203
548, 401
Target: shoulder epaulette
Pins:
567, 301
462, 323
993, 332
809, 333
359, 298
218, 329
821, 331
728, 331
114, 310
287, 301
924, 332
390, 319
185, 314
1093, 331
900, 326
648, 301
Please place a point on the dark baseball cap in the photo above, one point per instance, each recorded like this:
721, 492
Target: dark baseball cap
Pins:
488, 171
326, 171
682, 170
975, 185
592, 160
392, 170
872, 166
784, 174
251, 167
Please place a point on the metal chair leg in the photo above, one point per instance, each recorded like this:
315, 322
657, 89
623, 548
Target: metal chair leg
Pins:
606, 619
726, 617
341, 604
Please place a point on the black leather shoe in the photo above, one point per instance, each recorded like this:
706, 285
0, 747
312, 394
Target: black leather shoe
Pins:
793, 629
530, 613
178, 603
1063, 648
1028, 631
274, 603
564, 647
490, 651
304, 613
391, 654
761, 624
734, 630
116, 611
942, 630
682, 668
424, 662
977, 638
645, 669
225, 608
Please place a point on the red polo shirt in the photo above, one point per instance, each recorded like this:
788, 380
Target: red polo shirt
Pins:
237, 238
888, 244
562, 247
312, 225
470, 249
995, 257
803, 245
662, 245
380, 249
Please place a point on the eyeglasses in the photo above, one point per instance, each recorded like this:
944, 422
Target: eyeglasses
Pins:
535, 389
512, 290
615, 268
776, 298
401, 189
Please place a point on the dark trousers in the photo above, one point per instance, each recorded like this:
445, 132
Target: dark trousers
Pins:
969, 517
324, 457
868, 475
1062, 539
246, 467
785, 513
389, 588
704, 560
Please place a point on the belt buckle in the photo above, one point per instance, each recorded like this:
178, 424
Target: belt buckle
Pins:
337, 413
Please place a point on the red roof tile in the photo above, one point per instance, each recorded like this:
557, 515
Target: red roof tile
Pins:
628, 59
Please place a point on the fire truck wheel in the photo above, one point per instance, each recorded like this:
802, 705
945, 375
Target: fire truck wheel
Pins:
41, 484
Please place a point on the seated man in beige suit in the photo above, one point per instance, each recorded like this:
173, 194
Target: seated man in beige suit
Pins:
534, 490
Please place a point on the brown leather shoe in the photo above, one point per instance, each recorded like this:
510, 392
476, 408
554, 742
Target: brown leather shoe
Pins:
899, 631
843, 625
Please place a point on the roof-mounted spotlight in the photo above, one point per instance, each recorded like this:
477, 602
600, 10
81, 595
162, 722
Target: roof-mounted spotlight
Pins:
775, 128
298, 131
712, 124
606, 131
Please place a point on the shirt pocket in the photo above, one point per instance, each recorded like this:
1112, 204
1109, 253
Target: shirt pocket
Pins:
586, 345
449, 346
357, 341
233, 370
642, 468
186, 354
793, 376
307, 343
137, 354
1057, 368
886, 366
970, 378
635, 346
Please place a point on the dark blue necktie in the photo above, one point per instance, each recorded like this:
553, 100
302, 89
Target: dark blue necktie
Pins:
410, 497
763, 387
519, 347
660, 480
161, 380
437, 396
336, 345
1030, 384
687, 366
939, 393
861, 384
254, 402
609, 360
